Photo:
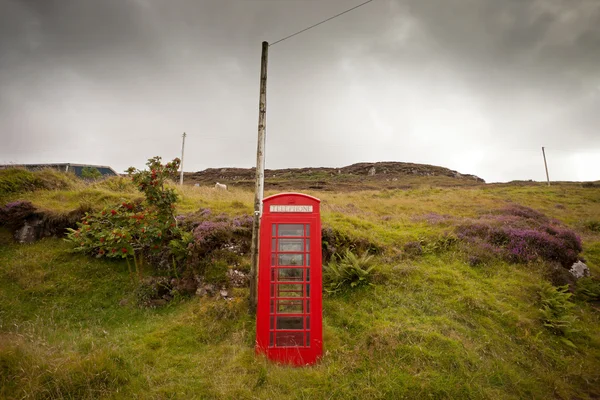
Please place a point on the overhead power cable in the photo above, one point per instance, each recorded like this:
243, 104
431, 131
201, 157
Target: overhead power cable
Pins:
322, 22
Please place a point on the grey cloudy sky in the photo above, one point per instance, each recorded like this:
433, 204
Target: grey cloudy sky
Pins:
474, 85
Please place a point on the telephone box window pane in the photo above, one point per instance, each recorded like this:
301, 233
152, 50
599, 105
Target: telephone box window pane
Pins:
290, 290
307, 322
307, 229
308, 260
291, 230
308, 274
273, 247
271, 323
272, 290
307, 338
271, 339
289, 323
290, 274
307, 290
291, 245
291, 259
272, 274
273, 259
289, 339
273, 232
307, 306
272, 307
289, 306
308, 245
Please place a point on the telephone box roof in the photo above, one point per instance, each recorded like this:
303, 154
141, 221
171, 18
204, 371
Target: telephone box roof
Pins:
275, 196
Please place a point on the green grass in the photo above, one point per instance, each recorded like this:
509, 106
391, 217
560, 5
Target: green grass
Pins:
429, 326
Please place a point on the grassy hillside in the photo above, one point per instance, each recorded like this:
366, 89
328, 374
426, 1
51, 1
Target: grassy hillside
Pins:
432, 325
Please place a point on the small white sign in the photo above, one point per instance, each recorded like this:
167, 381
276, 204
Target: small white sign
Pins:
291, 209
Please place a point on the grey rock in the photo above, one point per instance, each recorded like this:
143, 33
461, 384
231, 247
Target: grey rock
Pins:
579, 270
29, 232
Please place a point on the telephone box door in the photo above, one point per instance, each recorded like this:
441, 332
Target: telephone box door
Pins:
289, 314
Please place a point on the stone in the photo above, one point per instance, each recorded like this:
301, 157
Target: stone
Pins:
157, 302
29, 232
372, 171
579, 270
238, 278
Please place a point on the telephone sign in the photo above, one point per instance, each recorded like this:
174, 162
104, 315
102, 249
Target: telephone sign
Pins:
289, 313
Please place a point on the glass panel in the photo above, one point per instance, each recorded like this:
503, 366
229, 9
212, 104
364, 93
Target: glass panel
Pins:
307, 306
271, 339
289, 323
273, 233
307, 322
272, 307
308, 260
308, 245
273, 259
272, 274
289, 339
272, 290
307, 290
289, 306
271, 323
291, 230
308, 338
291, 259
290, 290
290, 274
307, 229
308, 274
273, 244
291, 245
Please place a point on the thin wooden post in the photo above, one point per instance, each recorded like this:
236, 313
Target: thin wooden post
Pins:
546, 166
260, 176
182, 147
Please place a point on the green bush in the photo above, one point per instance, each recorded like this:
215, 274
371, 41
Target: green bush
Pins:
15, 180
348, 271
556, 310
588, 288
90, 173
593, 225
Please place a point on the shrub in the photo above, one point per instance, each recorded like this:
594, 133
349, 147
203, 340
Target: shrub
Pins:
522, 235
588, 288
593, 225
348, 271
133, 229
556, 309
335, 242
90, 173
15, 180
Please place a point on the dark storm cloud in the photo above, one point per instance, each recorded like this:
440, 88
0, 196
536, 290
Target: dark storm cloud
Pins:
453, 83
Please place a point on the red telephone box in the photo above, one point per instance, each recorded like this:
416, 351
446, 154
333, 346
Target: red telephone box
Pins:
289, 325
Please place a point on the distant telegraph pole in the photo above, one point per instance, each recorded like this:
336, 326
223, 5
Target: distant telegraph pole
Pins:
546, 166
260, 174
182, 147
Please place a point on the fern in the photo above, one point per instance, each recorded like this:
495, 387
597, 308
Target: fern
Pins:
348, 271
556, 309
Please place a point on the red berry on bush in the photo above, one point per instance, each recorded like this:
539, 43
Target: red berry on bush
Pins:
113, 212
124, 250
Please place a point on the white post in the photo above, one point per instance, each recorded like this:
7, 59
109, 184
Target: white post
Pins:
182, 147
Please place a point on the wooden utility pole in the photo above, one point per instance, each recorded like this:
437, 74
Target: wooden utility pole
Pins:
260, 175
546, 166
182, 147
